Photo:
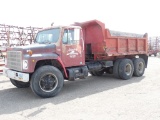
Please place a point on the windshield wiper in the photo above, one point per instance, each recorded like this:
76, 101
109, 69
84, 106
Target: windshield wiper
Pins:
48, 42
45, 42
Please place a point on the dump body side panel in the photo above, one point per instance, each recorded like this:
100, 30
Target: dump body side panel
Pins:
100, 44
116, 46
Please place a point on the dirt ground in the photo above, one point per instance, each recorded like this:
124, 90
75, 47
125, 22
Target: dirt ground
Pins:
94, 98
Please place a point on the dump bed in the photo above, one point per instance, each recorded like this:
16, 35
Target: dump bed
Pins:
103, 43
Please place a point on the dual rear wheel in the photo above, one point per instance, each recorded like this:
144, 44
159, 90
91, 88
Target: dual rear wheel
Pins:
126, 68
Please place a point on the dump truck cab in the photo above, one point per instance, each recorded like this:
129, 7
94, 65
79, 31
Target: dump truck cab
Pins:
60, 46
68, 41
61, 43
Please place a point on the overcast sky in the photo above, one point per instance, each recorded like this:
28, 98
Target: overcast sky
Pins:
136, 16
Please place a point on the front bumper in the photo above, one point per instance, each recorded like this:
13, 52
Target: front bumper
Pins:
19, 76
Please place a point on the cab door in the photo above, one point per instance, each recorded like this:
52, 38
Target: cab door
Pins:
72, 47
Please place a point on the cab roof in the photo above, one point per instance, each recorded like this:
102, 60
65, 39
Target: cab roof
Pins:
52, 27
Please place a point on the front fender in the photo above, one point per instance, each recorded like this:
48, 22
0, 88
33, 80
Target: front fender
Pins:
32, 61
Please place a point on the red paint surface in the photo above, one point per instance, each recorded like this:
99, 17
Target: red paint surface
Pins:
105, 46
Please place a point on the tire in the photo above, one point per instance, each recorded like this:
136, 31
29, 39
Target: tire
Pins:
20, 84
116, 68
139, 67
47, 81
126, 69
155, 54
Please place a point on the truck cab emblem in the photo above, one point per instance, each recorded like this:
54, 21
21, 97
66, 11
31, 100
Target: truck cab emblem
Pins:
72, 53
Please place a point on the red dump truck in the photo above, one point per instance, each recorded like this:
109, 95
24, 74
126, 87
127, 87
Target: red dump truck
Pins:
153, 52
71, 52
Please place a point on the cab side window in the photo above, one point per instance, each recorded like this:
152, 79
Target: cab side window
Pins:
71, 36
65, 37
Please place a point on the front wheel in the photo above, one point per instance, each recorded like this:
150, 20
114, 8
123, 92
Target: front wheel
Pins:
47, 81
20, 84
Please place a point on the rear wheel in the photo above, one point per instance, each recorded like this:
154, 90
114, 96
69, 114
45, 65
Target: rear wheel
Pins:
47, 81
126, 69
116, 68
20, 84
139, 67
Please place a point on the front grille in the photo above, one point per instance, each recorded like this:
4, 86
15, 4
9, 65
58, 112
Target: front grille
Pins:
14, 60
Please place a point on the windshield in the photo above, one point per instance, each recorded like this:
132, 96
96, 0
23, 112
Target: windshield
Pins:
48, 36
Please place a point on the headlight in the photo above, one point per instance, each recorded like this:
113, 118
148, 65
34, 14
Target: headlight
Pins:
25, 64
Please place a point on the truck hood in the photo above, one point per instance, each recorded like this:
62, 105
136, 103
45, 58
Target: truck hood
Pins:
36, 48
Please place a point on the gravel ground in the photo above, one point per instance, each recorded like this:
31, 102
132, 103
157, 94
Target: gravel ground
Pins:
95, 98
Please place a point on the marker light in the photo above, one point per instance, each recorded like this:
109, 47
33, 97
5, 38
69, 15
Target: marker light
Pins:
30, 52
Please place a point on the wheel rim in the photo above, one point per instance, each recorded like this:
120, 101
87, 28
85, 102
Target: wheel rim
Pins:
128, 69
140, 67
48, 82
